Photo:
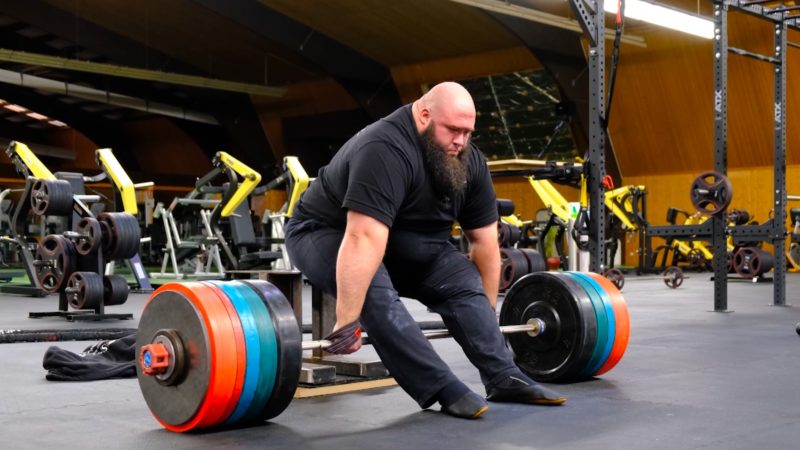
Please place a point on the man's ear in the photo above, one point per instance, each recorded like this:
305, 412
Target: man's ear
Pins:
424, 116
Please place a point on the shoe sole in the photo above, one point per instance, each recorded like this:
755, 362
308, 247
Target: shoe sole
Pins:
546, 402
479, 412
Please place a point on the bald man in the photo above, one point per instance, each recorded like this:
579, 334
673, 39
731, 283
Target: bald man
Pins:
375, 225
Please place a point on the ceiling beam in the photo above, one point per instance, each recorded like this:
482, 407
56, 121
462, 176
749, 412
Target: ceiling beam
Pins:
369, 82
55, 62
533, 15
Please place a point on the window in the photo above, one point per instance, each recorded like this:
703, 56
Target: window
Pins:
520, 115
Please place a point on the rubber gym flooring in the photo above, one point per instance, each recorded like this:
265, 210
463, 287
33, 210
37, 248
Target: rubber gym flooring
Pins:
690, 379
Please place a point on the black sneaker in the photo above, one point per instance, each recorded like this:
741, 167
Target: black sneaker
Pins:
514, 389
470, 406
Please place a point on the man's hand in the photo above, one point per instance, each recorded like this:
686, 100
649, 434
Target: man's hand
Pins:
345, 340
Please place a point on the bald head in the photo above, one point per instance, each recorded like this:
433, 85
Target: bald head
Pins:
448, 113
448, 98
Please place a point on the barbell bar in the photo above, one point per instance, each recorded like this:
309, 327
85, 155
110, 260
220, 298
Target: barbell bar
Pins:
534, 327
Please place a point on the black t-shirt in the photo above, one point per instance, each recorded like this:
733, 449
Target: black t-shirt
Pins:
380, 172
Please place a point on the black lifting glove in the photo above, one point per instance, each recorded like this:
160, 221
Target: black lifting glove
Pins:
345, 340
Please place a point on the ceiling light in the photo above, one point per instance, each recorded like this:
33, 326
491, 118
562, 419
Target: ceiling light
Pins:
15, 108
664, 16
37, 116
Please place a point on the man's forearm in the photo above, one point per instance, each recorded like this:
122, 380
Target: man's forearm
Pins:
487, 258
355, 268
360, 254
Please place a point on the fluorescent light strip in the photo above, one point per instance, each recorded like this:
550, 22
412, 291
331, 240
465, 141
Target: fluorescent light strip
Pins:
665, 17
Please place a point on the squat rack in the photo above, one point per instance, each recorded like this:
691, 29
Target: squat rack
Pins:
774, 229
591, 17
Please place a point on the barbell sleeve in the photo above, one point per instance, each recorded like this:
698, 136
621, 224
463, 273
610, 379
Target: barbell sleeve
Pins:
534, 327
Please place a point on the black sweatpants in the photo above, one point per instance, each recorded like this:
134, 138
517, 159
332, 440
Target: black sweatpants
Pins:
437, 275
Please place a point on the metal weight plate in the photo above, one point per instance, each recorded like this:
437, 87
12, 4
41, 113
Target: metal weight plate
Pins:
55, 261
290, 350
197, 397
91, 236
747, 262
51, 197
133, 239
729, 261
711, 192
673, 277
606, 325
506, 273
566, 345
503, 234
268, 370
115, 290
84, 290
121, 235
240, 349
514, 266
615, 276
252, 352
622, 322
536, 262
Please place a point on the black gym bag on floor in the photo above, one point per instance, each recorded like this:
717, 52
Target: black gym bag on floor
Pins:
104, 360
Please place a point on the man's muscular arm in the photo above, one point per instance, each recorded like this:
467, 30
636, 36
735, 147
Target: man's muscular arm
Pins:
485, 253
360, 254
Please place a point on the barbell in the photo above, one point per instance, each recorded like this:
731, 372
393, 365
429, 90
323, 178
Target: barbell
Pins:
224, 353
534, 327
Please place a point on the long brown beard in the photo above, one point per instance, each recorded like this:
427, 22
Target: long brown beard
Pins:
449, 173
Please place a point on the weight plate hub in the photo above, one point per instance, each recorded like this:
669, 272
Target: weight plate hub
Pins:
606, 325
622, 323
566, 346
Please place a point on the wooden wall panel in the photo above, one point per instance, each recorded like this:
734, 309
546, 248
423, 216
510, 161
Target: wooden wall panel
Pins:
399, 32
84, 152
662, 112
162, 148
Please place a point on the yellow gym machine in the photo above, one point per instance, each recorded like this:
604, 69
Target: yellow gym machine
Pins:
243, 249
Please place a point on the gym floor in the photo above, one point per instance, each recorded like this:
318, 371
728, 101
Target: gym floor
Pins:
690, 379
